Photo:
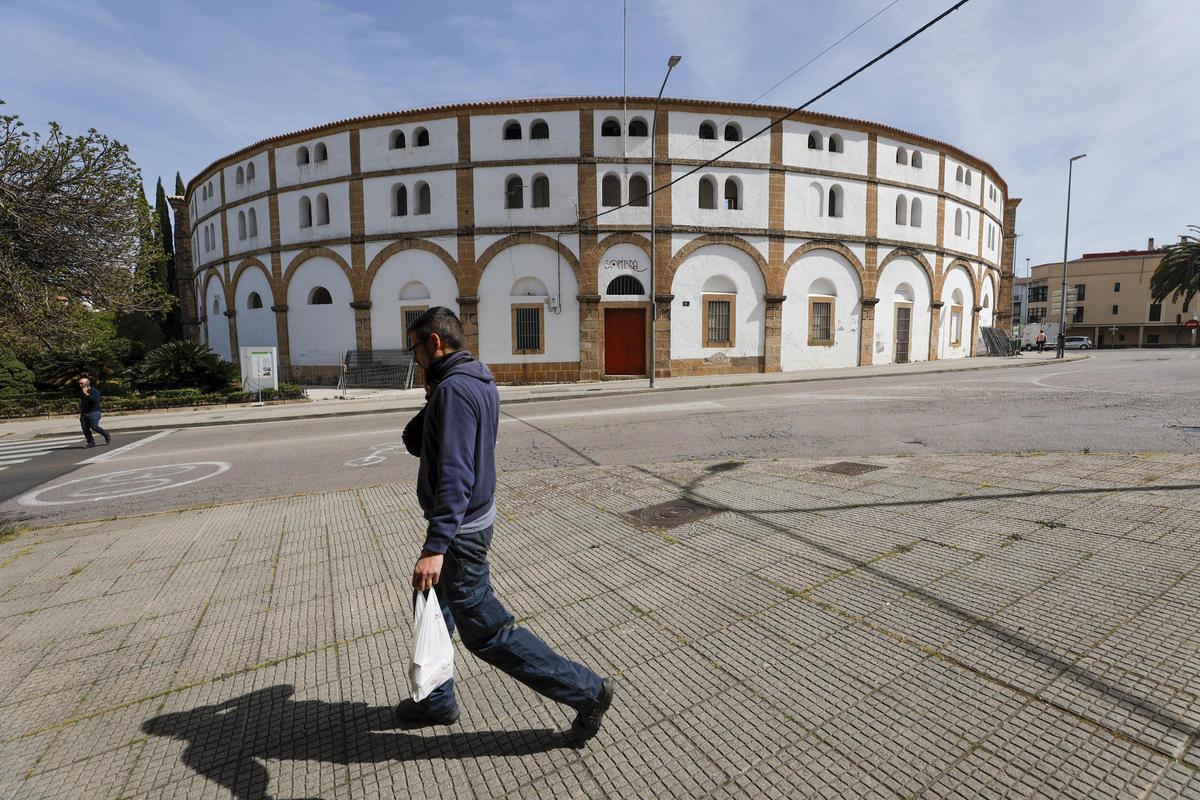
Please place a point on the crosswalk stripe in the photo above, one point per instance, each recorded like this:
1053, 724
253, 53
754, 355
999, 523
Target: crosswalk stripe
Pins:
9, 462
38, 448
48, 440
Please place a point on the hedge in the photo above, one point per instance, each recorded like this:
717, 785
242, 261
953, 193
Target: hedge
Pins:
35, 406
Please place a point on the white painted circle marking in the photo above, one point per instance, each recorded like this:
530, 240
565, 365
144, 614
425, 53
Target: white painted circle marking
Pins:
376, 456
126, 483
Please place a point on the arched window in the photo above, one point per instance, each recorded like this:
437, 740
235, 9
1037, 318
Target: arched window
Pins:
733, 132
241, 225
320, 153
252, 223
254, 301
513, 193
814, 141
322, 209
958, 226
625, 284
539, 130
901, 210
422, 137
203, 194
639, 190
541, 191
424, 201
916, 159
512, 131
210, 189
396, 140
610, 127
301, 156
708, 193
399, 200
207, 246
732, 195
638, 127
610, 191
241, 176
250, 171
835, 201
816, 200
319, 296
708, 130
901, 156
968, 177
216, 306
914, 213
305, 212
967, 219
958, 174
835, 144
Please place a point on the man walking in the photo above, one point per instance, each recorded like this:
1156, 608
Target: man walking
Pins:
454, 435
89, 412
1041, 340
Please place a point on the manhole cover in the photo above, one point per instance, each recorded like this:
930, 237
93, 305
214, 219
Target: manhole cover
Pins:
673, 513
847, 468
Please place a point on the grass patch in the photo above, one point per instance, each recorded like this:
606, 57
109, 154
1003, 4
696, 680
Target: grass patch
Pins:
1051, 524
76, 570
9, 531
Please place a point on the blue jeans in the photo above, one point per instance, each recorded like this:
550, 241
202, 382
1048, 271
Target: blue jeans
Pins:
91, 422
487, 629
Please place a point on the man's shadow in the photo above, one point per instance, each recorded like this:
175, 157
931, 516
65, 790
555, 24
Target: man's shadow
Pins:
227, 742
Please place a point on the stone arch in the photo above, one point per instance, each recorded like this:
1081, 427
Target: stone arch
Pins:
963, 264
409, 244
916, 255
315, 252
772, 282
468, 282
225, 293
865, 281
248, 263
590, 262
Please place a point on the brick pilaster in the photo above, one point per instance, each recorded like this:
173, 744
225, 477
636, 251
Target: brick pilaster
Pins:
591, 348
464, 187
935, 328
233, 334
866, 332
974, 351
776, 214
872, 187
281, 341
662, 336
1003, 300
468, 315
773, 332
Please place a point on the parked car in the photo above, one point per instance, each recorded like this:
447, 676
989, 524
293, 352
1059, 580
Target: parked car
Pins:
1077, 343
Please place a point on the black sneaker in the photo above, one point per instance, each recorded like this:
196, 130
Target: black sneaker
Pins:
411, 715
89, 444
587, 721
107, 439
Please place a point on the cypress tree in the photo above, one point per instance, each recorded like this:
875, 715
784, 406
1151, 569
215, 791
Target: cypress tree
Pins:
172, 324
180, 189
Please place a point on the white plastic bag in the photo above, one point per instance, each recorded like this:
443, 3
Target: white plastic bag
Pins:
433, 654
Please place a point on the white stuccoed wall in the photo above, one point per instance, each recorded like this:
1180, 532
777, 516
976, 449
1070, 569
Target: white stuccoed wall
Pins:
902, 272
374, 153
256, 326
797, 154
611, 146
259, 184
290, 231
972, 193
686, 332
377, 203
968, 241
812, 274
988, 300
683, 139
755, 199
886, 167
888, 229
956, 280
288, 173
489, 196
495, 304
262, 209
399, 273
319, 334
488, 143
218, 323
630, 215
623, 259
798, 216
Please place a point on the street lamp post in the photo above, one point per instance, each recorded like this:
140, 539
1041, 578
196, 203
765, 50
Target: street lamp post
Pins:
1062, 306
671, 63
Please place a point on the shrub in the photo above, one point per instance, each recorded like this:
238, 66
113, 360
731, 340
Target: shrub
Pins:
181, 365
15, 377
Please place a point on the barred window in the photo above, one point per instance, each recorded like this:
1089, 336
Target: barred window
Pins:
718, 320
527, 329
625, 284
409, 314
820, 315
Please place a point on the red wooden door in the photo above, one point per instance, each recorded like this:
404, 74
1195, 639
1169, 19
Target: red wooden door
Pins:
624, 341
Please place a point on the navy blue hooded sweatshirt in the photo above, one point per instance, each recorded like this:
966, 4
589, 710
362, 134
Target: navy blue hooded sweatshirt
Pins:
455, 437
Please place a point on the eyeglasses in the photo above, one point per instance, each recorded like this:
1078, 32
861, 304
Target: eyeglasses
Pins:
412, 350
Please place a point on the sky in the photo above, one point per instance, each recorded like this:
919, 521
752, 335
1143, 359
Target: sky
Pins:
1021, 84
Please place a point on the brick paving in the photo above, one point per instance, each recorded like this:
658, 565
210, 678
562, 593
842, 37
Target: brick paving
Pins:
948, 626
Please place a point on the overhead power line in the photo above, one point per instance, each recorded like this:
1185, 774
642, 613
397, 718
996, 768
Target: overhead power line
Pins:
793, 112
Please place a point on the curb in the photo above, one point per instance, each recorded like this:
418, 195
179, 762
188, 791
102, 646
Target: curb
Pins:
586, 393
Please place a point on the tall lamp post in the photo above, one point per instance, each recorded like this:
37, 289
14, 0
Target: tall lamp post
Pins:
671, 64
1062, 306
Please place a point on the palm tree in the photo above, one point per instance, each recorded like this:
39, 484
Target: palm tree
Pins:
1178, 273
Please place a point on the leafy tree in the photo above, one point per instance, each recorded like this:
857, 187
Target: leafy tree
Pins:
70, 235
97, 352
15, 377
1178, 274
185, 365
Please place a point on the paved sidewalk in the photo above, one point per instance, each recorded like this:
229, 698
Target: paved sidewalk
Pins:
967, 626
327, 403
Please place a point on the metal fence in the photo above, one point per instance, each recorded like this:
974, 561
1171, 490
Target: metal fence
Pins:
377, 369
996, 341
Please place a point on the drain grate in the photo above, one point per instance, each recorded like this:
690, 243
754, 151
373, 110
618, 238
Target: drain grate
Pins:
847, 468
672, 513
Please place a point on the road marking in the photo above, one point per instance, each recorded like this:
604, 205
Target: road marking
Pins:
607, 412
8, 462
122, 450
378, 455
125, 483
25, 446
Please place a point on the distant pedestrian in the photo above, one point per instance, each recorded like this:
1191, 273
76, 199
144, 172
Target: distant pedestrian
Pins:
1041, 340
89, 412
454, 435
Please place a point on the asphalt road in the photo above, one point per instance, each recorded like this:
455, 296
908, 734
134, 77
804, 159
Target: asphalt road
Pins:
1122, 401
